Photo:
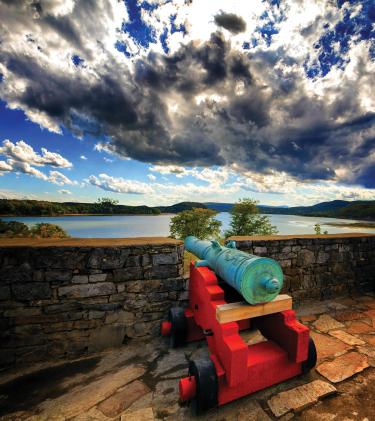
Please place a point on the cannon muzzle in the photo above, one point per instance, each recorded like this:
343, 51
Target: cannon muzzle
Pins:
257, 279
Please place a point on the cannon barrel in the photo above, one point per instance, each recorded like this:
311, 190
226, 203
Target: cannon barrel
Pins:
257, 279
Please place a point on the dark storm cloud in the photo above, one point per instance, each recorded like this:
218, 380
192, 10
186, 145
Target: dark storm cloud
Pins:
231, 22
232, 106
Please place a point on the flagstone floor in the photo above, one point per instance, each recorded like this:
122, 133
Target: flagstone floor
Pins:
140, 380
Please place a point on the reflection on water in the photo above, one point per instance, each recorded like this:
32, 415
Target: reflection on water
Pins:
147, 225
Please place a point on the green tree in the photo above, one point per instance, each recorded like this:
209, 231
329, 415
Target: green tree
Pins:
246, 220
45, 230
106, 204
198, 222
317, 229
13, 229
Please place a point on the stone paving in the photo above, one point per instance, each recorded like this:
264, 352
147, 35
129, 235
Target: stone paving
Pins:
139, 381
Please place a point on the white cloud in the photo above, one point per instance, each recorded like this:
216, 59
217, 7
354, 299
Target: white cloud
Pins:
26, 168
151, 177
209, 175
22, 152
83, 157
5, 167
177, 170
64, 191
21, 158
57, 177
119, 184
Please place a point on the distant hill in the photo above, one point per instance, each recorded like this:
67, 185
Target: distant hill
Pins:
179, 207
219, 207
358, 209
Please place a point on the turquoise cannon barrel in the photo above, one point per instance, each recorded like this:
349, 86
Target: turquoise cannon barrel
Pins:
257, 279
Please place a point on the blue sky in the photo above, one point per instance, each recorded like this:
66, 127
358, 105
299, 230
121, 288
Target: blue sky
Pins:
155, 102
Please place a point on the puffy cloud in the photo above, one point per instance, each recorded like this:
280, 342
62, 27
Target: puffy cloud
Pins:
5, 167
151, 177
22, 158
278, 98
177, 170
83, 157
22, 152
26, 168
64, 191
119, 184
57, 177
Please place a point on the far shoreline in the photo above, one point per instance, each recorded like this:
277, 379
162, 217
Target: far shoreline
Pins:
84, 214
351, 224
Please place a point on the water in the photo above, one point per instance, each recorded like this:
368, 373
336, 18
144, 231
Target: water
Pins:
118, 226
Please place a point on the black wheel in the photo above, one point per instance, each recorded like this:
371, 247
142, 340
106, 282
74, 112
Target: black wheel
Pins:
311, 358
179, 326
206, 383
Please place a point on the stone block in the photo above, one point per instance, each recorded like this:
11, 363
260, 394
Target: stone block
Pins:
80, 279
144, 414
58, 258
132, 261
58, 327
94, 314
346, 337
164, 271
99, 277
165, 259
23, 311
87, 290
31, 291
107, 258
62, 307
146, 260
328, 346
15, 274
58, 275
300, 397
260, 251
306, 258
122, 399
343, 367
127, 274
326, 323
105, 337
119, 317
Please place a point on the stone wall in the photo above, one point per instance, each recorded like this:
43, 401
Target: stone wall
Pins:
72, 297
76, 296
319, 267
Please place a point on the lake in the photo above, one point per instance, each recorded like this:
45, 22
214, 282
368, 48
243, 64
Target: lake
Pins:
118, 226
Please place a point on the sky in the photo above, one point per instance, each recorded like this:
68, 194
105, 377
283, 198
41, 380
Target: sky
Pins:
157, 102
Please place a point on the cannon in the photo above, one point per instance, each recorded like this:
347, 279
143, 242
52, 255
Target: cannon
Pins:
257, 279
231, 292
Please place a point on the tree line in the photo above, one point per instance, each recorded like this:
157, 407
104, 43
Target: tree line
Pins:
16, 207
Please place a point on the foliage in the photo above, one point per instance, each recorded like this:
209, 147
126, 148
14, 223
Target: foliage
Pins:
15, 229
45, 230
106, 205
198, 222
246, 220
317, 229
182, 206
15, 207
